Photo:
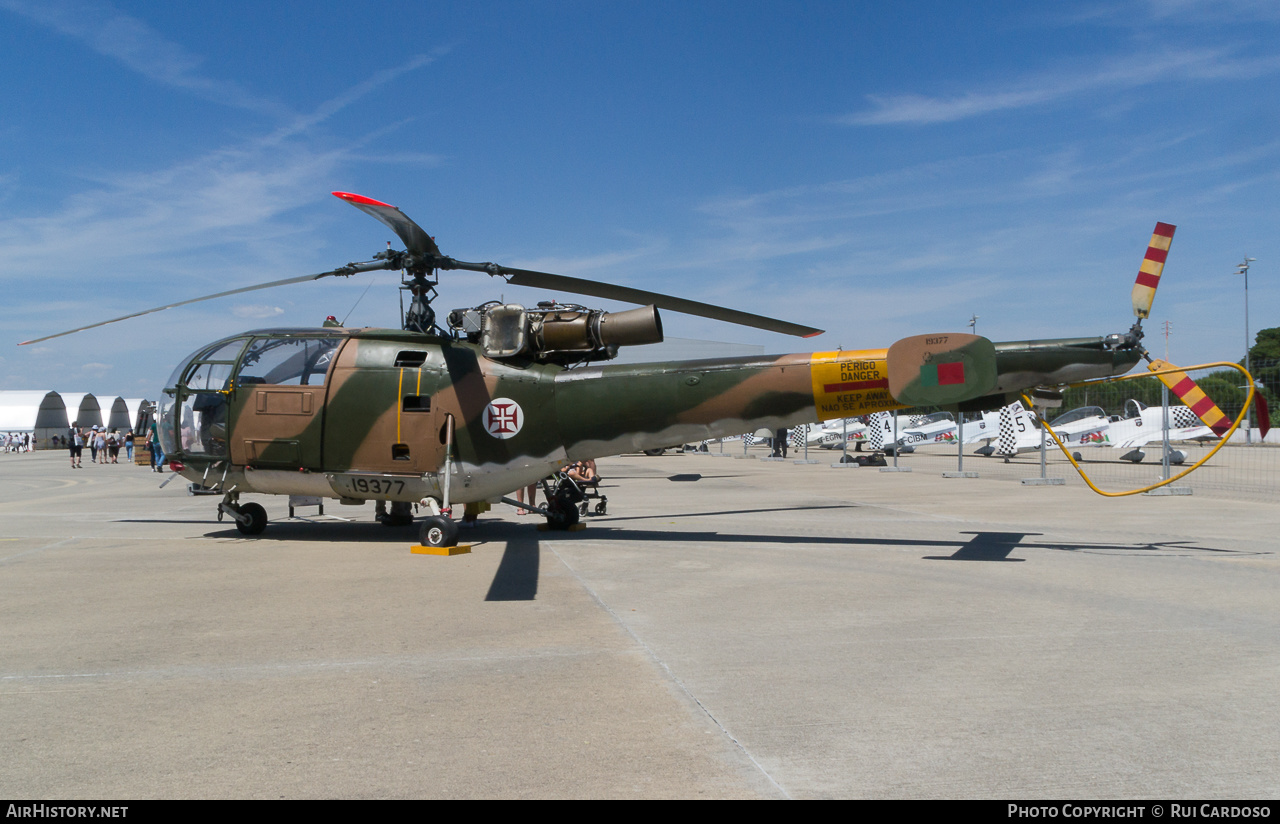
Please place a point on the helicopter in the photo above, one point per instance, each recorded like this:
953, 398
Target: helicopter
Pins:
501, 395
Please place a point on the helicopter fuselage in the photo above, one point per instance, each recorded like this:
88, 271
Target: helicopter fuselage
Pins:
379, 414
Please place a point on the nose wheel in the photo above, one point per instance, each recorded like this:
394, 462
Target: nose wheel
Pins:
250, 519
253, 519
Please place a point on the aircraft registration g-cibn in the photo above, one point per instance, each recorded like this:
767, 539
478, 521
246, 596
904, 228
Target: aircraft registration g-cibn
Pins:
502, 395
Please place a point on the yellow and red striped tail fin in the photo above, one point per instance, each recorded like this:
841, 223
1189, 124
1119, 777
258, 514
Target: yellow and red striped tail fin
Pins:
1194, 397
1144, 288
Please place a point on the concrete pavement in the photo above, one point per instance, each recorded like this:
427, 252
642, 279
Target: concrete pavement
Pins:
732, 628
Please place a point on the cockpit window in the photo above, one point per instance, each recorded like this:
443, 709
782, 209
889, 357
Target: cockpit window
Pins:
215, 376
287, 361
224, 352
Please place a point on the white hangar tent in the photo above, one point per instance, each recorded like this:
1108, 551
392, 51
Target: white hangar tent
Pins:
82, 409
118, 417
42, 413
45, 414
134, 406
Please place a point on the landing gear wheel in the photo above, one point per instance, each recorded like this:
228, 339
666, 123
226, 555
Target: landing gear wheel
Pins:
255, 519
653, 453
560, 516
439, 531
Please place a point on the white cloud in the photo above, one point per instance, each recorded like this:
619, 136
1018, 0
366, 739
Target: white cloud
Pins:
141, 48
158, 218
1129, 72
256, 311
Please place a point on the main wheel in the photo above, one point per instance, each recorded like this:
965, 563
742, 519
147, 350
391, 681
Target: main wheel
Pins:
255, 519
653, 453
560, 516
439, 531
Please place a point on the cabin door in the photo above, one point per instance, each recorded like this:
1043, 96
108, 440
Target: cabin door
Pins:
279, 403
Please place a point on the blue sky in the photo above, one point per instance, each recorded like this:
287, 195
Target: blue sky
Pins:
877, 170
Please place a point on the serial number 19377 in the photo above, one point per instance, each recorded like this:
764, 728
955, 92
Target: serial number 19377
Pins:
375, 486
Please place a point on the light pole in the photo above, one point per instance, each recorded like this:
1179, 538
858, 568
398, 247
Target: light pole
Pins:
973, 324
1243, 269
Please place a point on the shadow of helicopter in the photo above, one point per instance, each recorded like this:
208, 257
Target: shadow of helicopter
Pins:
516, 578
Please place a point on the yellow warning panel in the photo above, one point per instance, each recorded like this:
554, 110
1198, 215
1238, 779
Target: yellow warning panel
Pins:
850, 383
460, 549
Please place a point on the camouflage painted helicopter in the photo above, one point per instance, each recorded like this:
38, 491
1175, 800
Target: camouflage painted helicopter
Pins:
505, 395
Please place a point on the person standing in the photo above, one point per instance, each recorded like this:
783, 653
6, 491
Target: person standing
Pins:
531, 491
157, 452
76, 439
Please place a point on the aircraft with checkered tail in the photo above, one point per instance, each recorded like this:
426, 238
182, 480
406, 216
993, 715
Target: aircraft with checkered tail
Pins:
501, 396
1142, 424
1019, 430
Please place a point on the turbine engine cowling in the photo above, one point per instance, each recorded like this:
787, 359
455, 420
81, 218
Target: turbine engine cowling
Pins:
556, 332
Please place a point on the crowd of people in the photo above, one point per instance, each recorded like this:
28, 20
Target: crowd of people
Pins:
105, 446
17, 442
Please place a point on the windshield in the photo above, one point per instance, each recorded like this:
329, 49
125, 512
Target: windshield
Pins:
193, 410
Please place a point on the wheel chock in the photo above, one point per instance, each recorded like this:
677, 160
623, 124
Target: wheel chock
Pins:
460, 549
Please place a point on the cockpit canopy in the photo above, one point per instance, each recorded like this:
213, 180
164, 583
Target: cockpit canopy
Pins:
193, 409
1079, 415
935, 417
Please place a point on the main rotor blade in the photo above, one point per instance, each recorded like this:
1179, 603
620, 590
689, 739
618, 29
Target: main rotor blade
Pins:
609, 291
416, 240
349, 269
420, 244
1144, 288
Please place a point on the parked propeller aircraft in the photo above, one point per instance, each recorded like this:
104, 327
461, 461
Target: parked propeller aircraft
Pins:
834, 434
1020, 430
1141, 425
936, 428
1090, 426
503, 395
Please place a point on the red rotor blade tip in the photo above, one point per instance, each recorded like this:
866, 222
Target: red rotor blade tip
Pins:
367, 201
